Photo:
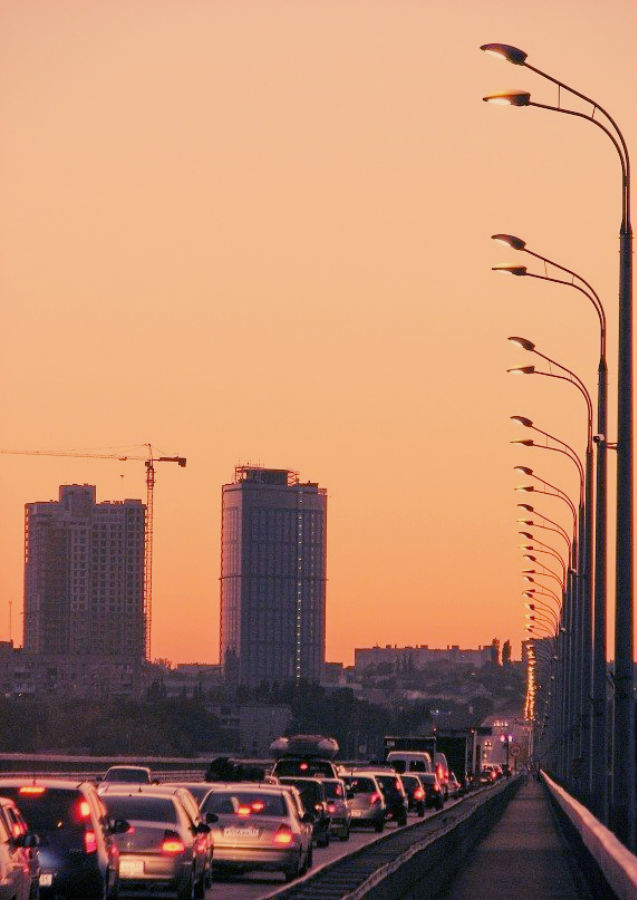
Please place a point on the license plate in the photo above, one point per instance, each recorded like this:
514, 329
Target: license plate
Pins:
129, 868
241, 834
356, 813
46, 880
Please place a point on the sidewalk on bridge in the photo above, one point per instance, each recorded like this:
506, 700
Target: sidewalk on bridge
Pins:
522, 857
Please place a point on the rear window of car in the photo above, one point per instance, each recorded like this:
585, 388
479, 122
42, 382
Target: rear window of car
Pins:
49, 809
305, 767
388, 782
428, 778
410, 781
310, 791
141, 808
333, 790
245, 803
361, 785
139, 776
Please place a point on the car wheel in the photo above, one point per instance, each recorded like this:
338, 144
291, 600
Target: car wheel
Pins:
401, 822
208, 876
310, 859
199, 891
345, 835
291, 874
378, 827
188, 890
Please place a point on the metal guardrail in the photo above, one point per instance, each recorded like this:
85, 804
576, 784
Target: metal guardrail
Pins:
617, 865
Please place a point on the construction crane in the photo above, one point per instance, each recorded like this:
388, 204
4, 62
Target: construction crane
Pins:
149, 461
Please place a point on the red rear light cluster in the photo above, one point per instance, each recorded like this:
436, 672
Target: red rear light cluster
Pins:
31, 790
90, 841
172, 844
244, 810
84, 809
283, 835
375, 798
419, 794
331, 808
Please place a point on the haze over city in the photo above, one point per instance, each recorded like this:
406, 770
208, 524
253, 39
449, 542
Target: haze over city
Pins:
260, 232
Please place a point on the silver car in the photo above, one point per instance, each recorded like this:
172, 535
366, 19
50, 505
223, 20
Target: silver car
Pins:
19, 862
258, 827
338, 807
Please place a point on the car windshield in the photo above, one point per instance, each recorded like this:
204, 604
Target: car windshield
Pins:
141, 808
49, 809
245, 803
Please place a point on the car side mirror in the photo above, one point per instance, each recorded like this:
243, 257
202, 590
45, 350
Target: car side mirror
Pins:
119, 826
211, 818
202, 828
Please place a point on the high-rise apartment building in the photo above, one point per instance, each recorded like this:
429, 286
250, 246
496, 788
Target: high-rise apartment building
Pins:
273, 545
84, 576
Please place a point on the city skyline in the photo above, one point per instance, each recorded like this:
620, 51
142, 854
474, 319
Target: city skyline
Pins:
260, 232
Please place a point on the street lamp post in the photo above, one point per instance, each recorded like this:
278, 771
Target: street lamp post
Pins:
623, 810
599, 747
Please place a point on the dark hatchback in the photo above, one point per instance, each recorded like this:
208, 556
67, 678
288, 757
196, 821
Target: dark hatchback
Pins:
78, 854
314, 801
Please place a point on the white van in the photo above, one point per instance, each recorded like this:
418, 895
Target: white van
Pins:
405, 761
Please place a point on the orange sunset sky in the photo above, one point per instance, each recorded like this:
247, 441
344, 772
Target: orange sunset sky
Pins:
259, 231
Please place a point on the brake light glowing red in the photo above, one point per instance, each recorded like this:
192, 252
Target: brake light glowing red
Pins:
283, 835
90, 841
244, 810
331, 808
32, 789
375, 798
258, 806
84, 809
419, 794
304, 767
172, 844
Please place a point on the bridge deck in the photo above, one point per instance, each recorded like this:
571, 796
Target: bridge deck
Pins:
523, 857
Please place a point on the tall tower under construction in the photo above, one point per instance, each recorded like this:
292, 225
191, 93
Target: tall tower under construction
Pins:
84, 576
273, 575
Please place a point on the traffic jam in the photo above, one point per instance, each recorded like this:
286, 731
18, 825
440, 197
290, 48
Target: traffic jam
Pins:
242, 831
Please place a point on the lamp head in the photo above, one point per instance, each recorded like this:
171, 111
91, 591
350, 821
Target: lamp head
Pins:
509, 240
522, 342
521, 370
526, 534
526, 442
507, 52
509, 270
509, 98
523, 469
525, 487
522, 420
526, 507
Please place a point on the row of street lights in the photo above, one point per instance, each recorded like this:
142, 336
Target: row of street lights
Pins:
578, 633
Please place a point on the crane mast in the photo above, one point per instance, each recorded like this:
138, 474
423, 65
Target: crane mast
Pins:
149, 461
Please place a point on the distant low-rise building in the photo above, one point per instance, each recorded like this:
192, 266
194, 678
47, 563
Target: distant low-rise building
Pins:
406, 659
250, 729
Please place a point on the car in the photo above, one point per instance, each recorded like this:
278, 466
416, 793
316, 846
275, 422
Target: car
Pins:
487, 774
441, 768
314, 801
366, 801
338, 807
258, 827
454, 788
19, 858
409, 761
128, 775
79, 857
394, 794
415, 793
434, 791
164, 849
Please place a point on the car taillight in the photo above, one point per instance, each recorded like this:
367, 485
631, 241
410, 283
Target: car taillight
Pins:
90, 841
84, 809
172, 843
31, 790
283, 835
318, 807
244, 810
331, 808
375, 798
419, 794
258, 806
304, 767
